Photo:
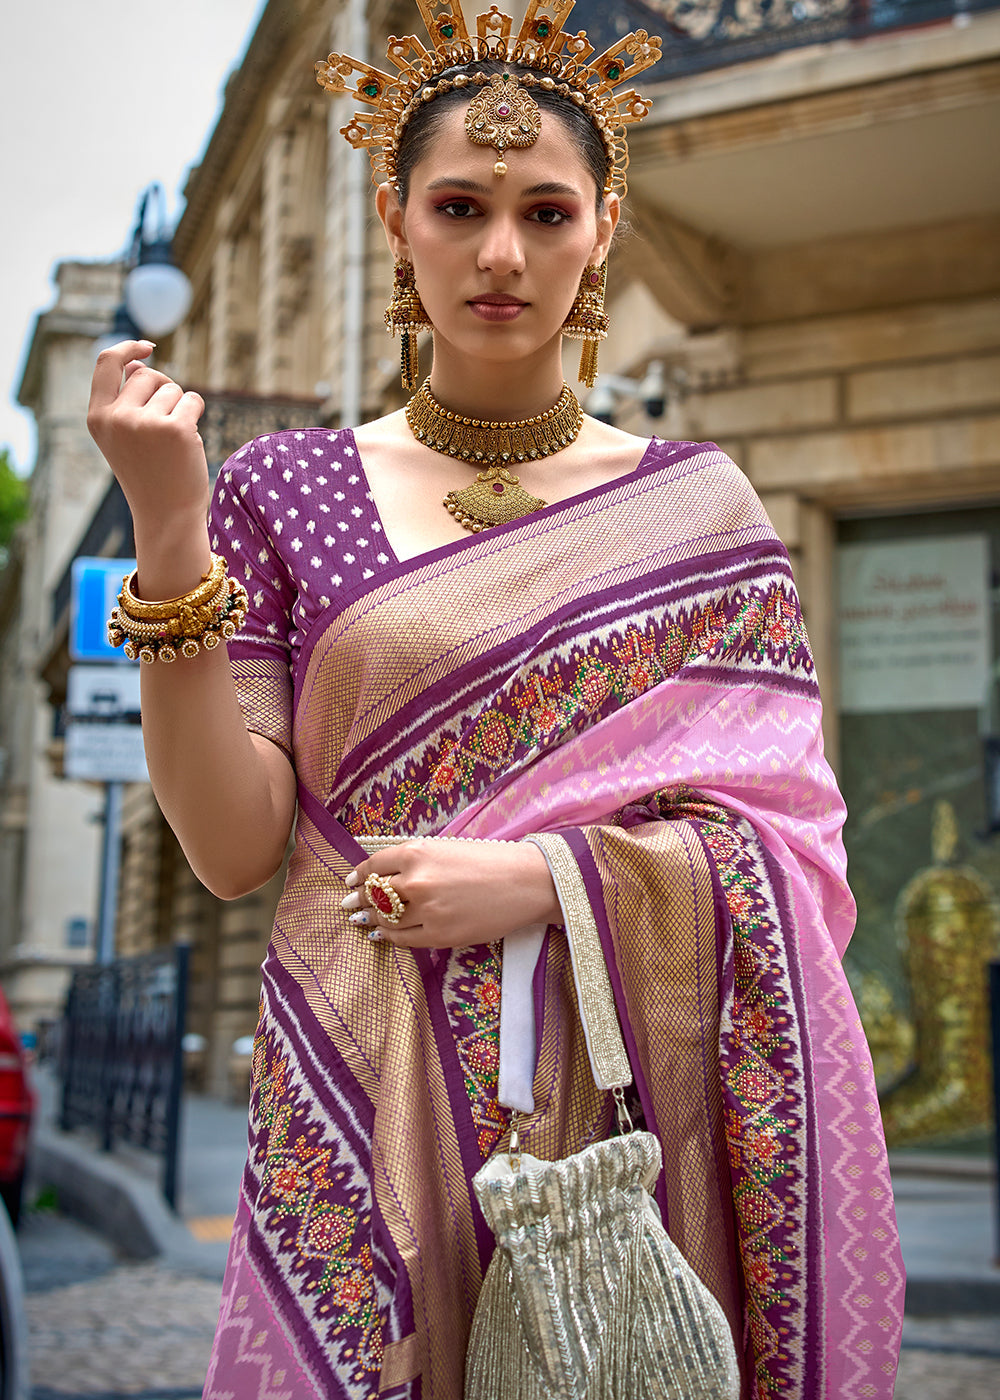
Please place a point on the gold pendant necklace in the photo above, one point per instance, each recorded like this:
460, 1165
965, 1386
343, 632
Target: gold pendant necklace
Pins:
496, 497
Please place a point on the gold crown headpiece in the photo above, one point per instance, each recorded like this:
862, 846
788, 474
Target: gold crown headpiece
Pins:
558, 62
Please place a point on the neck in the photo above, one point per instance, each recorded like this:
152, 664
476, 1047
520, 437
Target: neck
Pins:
498, 391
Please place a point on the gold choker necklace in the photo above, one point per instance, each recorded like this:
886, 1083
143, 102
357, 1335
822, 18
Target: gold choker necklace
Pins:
496, 496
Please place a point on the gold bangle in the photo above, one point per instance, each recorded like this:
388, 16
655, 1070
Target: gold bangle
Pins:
142, 611
186, 622
148, 641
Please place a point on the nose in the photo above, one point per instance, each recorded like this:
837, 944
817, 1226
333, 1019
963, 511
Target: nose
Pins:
502, 248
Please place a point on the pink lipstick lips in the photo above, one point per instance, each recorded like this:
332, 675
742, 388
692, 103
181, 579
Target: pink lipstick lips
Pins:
497, 306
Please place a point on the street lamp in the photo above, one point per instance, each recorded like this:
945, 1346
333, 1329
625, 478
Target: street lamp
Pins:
156, 294
155, 299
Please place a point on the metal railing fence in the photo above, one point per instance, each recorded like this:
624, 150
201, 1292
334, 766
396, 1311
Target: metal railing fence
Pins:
121, 1059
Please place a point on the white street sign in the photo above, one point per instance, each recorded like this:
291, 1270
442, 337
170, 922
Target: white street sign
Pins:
105, 753
103, 733
110, 692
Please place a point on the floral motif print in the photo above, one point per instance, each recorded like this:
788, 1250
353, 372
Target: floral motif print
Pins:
539, 708
306, 1202
764, 1086
763, 1080
473, 1001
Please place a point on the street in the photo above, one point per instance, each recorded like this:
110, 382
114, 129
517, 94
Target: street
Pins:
950, 1359
101, 1329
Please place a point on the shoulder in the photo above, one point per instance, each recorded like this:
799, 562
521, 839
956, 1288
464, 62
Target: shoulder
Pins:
267, 466
724, 492
706, 458
294, 447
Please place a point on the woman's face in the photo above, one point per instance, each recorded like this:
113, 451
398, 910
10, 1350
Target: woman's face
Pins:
498, 261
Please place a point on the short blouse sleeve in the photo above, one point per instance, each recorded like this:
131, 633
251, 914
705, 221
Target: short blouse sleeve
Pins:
260, 653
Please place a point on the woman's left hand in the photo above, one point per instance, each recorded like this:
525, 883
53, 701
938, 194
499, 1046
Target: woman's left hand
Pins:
455, 893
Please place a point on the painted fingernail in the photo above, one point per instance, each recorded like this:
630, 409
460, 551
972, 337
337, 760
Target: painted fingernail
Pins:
150, 343
353, 879
351, 901
361, 918
374, 936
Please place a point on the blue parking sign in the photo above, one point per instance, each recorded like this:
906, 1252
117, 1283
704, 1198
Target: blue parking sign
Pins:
96, 584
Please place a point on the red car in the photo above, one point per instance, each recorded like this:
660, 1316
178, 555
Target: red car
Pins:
17, 1104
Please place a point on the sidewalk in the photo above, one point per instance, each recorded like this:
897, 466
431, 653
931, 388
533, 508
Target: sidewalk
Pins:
119, 1195
946, 1211
945, 1205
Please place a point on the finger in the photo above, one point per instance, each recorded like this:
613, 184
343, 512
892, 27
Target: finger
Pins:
365, 915
387, 862
166, 397
401, 938
369, 926
189, 407
110, 367
141, 384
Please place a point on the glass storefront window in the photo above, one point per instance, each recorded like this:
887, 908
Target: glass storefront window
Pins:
919, 632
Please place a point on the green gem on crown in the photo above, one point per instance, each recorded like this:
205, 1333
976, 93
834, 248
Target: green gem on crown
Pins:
448, 31
370, 89
613, 72
543, 31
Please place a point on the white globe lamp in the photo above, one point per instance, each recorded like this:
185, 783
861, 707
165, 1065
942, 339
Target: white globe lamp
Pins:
157, 293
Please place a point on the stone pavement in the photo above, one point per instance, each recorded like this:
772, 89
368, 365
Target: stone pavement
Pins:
137, 1330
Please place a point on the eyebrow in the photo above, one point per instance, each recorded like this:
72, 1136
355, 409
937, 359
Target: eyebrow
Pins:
552, 187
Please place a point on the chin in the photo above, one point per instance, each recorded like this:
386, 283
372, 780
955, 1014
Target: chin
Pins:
504, 342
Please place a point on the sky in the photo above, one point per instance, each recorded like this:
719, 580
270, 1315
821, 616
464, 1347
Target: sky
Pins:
97, 101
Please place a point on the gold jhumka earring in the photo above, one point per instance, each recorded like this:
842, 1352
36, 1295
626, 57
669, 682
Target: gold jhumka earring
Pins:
588, 320
406, 316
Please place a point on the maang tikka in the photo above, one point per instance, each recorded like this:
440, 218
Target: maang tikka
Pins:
503, 115
588, 320
405, 314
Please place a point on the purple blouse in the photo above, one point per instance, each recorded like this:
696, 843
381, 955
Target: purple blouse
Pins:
293, 515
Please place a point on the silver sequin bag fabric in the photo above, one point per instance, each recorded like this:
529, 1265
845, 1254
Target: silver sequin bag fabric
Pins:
587, 1297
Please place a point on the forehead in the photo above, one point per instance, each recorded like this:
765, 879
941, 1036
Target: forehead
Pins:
554, 155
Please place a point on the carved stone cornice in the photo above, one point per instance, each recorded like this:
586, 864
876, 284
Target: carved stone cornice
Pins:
696, 278
660, 141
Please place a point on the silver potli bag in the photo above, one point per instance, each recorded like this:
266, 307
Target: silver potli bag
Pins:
587, 1297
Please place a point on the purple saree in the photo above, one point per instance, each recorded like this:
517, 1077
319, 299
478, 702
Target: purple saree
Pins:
627, 669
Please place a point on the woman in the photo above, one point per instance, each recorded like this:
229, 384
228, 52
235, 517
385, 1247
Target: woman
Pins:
621, 662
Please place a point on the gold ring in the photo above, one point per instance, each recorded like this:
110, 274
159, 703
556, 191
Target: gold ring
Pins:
383, 897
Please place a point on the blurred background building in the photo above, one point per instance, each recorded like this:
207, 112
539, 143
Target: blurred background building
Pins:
812, 278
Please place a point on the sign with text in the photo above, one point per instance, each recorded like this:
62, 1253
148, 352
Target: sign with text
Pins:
95, 586
914, 618
103, 731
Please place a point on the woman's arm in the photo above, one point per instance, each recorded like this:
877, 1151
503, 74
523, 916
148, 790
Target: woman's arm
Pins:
228, 795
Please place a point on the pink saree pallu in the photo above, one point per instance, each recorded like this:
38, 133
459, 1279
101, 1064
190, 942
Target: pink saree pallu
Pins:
628, 670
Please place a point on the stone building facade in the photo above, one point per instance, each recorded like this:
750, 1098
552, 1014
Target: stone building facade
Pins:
49, 832
815, 258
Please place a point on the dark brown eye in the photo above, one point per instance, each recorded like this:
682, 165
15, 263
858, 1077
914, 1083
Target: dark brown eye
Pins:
457, 208
549, 215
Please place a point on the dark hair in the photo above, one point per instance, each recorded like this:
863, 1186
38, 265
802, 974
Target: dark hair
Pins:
419, 132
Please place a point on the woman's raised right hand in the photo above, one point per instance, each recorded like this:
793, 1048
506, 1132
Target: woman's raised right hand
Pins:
147, 429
